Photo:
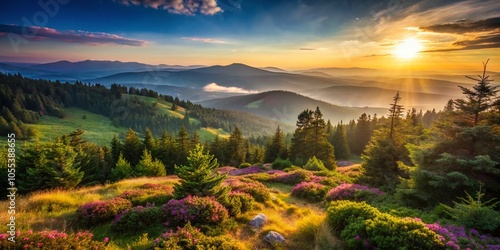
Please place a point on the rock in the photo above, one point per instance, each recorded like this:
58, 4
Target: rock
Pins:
274, 238
258, 221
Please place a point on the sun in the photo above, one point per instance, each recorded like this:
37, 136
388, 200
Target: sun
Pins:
408, 48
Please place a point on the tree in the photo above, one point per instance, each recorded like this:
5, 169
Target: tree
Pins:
149, 141
478, 99
236, 151
64, 170
396, 111
362, 134
198, 177
310, 139
182, 143
276, 147
132, 148
149, 167
386, 149
339, 142
122, 170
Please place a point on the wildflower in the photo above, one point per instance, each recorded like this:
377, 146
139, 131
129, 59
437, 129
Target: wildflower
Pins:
357, 237
106, 240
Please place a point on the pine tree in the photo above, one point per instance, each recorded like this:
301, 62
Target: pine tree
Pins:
132, 148
276, 147
149, 141
149, 167
116, 148
198, 177
309, 139
362, 134
396, 111
236, 151
122, 170
64, 171
339, 142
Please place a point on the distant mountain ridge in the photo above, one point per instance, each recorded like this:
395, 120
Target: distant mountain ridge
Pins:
285, 106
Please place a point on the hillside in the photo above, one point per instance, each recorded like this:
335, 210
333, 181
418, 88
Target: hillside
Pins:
285, 106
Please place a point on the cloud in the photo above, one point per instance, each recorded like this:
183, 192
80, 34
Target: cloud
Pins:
483, 34
214, 87
37, 33
182, 7
204, 40
307, 49
465, 26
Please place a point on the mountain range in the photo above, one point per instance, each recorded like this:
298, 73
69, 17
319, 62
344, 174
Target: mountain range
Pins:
345, 93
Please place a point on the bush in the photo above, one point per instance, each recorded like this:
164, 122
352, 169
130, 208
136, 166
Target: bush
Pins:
238, 203
281, 164
101, 211
293, 178
472, 212
189, 237
254, 188
314, 164
310, 191
51, 240
363, 226
194, 209
136, 218
353, 192
149, 193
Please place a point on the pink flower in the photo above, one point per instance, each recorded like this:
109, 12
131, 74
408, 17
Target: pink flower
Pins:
106, 240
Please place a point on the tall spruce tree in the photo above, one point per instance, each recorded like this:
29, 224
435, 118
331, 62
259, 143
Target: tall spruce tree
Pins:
310, 139
276, 147
198, 177
340, 143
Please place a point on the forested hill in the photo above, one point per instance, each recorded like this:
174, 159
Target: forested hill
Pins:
24, 100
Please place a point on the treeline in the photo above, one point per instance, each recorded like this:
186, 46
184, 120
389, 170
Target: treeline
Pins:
24, 100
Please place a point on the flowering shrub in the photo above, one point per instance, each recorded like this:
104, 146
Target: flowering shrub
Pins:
354, 192
51, 240
149, 193
136, 218
310, 190
254, 188
459, 238
197, 210
237, 202
294, 177
247, 170
189, 237
364, 227
100, 211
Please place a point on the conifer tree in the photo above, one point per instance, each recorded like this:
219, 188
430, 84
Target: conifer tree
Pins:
149, 141
236, 150
122, 170
276, 147
340, 143
132, 148
198, 177
149, 167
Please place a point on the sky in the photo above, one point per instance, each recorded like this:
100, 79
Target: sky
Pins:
429, 35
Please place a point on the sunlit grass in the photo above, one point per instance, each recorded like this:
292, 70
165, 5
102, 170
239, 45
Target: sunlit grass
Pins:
98, 129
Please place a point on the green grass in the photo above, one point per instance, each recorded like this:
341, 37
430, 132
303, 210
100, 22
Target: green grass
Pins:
98, 129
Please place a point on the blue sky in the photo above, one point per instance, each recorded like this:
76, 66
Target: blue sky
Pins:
283, 33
